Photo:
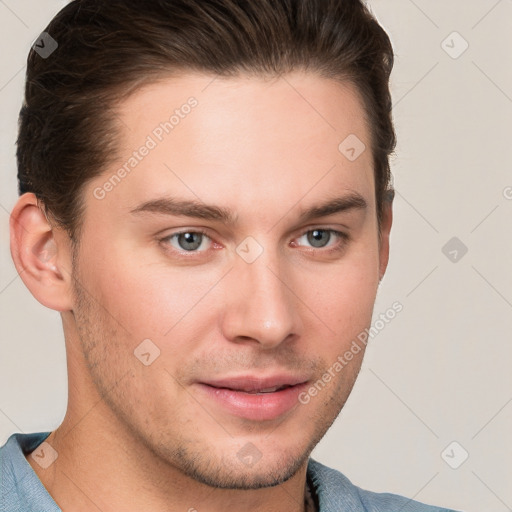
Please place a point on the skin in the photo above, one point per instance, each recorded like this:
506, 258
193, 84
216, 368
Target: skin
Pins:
139, 437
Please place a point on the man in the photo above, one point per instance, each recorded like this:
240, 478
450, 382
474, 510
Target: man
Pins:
205, 198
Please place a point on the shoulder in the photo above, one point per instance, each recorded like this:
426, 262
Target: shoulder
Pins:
336, 493
20, 488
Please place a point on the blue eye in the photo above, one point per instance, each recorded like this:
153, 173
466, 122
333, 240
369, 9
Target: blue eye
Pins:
319, 238
188, 241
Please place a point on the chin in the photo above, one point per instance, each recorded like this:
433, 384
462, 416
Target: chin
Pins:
235, 473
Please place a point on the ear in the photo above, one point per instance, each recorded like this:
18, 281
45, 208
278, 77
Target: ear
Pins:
387, 220
41, 254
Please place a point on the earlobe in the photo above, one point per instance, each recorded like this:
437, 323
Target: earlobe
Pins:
41, 257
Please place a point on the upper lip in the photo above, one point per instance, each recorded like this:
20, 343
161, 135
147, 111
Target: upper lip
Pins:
255, 383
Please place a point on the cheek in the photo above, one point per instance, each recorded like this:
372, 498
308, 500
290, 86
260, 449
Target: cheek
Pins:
146, 304
123, 288
344, 296
151, 299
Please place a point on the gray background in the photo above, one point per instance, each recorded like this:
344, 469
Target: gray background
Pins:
440, 371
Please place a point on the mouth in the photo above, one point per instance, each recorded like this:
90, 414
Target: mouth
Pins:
255, 398
254, 391
263, 391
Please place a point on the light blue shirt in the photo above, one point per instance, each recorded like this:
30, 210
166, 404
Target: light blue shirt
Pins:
22, 491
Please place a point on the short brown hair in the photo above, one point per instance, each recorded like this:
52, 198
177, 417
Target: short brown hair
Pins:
107, 49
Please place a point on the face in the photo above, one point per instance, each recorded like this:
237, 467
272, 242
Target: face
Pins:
212, 293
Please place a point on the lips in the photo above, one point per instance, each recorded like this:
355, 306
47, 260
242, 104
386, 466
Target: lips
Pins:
254, 398
253, 384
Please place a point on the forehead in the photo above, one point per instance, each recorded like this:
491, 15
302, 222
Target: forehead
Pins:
241, 141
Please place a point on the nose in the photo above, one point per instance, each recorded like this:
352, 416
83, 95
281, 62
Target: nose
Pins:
260, 304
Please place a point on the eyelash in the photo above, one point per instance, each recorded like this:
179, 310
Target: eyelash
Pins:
343, 239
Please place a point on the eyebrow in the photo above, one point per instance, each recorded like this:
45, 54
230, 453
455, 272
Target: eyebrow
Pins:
199, 210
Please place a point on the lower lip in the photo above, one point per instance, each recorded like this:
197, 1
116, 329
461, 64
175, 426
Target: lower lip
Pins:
257, 407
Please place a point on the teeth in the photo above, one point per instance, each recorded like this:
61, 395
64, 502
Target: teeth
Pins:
267, 390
